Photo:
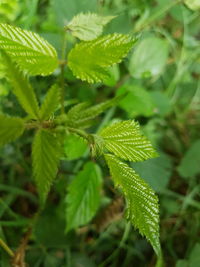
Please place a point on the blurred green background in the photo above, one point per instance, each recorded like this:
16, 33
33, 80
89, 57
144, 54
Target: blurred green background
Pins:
162, 79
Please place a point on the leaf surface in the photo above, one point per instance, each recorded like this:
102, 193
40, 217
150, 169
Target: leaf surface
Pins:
142, 203
89, 61
10, 128
88, 26
45, 158
83, 196
125, 140
30, 51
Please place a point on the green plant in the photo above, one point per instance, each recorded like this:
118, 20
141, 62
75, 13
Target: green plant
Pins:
25, 54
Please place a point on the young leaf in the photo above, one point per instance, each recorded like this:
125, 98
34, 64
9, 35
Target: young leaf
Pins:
90, 60
50, 103
45, 156
125, 140
82, 116
83, 196
88, 26
21, 87
10, 128
142, 203
30, 51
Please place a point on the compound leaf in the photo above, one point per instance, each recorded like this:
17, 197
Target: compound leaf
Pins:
21, 87
50, 103
10, 128
142, 203
88, 26
45, 156
125, 140
83, 196
90, 60
30, 51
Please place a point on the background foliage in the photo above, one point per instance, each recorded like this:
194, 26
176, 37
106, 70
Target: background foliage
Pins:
161, 79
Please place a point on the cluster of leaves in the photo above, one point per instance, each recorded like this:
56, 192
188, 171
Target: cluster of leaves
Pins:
24, 54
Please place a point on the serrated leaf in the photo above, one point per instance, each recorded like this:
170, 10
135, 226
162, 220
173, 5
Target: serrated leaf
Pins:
21, 87
89, 61
83, 196
88, 26
74, 146
142, 203
50, 103
193, 4
30, 51
10, 128
125, 140
82, 116
45, 157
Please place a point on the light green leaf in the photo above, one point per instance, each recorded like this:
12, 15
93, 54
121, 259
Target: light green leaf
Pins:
74, 146
142, 203
193, 4
137, 102
189, 165
83, 196
149, 58
88, 26
82, 116
10, 128
89, 61
50, 103
125, 140
30, 51
21, 87
45, 156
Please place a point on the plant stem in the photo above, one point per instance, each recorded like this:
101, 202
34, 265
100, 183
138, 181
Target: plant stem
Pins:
62, 75
6, 248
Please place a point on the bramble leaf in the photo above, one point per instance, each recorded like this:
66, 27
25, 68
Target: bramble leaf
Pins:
10, 128
50, 103
82, 116
30, 51
89, 61
88, 26
45, 157
21, 87
125, 140
83, 196
142, 203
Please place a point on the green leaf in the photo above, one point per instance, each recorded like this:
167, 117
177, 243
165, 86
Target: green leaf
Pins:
89, 61
142, 203
149, 58
21, 87
125, 140
74, 146
189, 166
50, 103
137, 102
45, 156
193, 4
10, 128
82, 116
30, 51
88, 26
83, 196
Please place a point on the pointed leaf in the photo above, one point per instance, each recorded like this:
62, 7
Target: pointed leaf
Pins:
125, 140
10, 128
50, 103
90, 60
21, 87
82, 116
83, 196
31, 52
88, 26
45, 155
142, 203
